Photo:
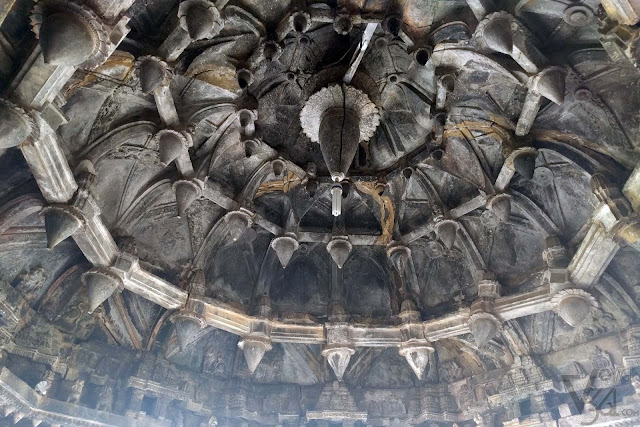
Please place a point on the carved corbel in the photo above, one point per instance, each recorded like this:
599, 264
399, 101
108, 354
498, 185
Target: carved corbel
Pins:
498, 210
399, 255
152, 72
484, 324
501, 32
72, 34
339, 248
447, 231
189, 323
521, 160
550, 84
258, 341
238, 221
187, 191
197, 20
415, 347
297, 21
155, 76
171, 144
15, 125
287, 244
339, 348
101, 283
445, 84
247, 119
573, 305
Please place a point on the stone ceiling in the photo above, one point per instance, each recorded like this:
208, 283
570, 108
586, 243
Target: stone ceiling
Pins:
261, 213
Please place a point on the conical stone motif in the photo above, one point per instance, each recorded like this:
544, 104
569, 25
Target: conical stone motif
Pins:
574, 309
152, 74
170, 145
238, 222
284, 246
525, 164
254, 350
200, 21
498, 36
186, 193
14, 125
339, 249
338, 359
551, 84
399, 256
187, 329
66, 39
501, 207
59, 224
484, 326
100, 284
447, 232
417, 357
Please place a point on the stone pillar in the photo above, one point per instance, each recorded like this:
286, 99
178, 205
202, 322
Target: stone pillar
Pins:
76, 391
632, 358
135, 402
611, 226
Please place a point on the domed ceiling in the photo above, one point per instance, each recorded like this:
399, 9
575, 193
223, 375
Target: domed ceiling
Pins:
287, 213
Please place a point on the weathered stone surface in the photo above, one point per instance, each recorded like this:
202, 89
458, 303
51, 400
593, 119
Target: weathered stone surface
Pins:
439, 214
66, 39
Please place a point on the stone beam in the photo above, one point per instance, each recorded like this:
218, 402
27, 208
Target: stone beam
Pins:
147, 285
364, 43
48, 163
235, 321
626, 12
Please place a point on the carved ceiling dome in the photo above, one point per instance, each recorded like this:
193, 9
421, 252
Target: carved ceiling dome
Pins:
288, 213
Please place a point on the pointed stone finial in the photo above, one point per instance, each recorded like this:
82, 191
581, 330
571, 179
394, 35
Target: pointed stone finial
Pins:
187, 191
343, 24
187, 330
237, 222
338, 358
399, 256
101, 284
417, 355
200, 19
484, 326
66, 39
415, 347
498, 36
285, 246
60, 222
447, 231
18, 416
500, 205
550, 83
152, 73
339, 248
525, 164
254, 349
574, 306
15, 125
170, 145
